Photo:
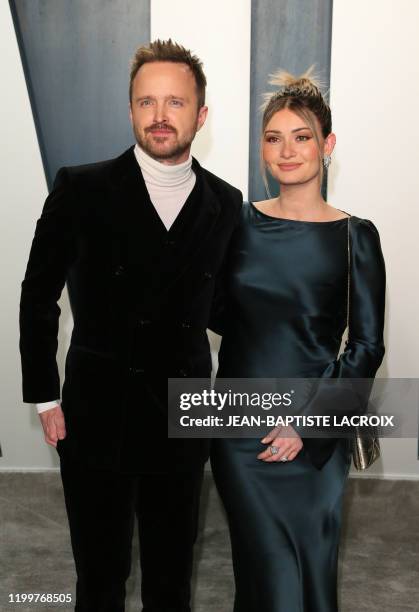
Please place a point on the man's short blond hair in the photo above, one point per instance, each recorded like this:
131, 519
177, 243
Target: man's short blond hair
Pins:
169, 51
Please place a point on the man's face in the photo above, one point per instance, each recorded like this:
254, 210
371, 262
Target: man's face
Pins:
164, 110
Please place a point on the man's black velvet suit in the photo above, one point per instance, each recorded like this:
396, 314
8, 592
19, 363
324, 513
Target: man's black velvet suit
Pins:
140, 297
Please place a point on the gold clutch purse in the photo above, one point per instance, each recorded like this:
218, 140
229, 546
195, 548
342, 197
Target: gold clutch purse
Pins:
365, 450
366, 446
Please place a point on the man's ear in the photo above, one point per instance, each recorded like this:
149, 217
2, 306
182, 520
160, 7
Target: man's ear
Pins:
202, 116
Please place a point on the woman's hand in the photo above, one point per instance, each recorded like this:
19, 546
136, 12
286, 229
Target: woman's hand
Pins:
287, 442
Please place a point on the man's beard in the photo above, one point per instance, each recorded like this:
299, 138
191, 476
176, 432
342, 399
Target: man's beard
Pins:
153, 148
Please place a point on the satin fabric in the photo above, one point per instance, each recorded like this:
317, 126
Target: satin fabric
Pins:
284, 521
285, 312
286, 297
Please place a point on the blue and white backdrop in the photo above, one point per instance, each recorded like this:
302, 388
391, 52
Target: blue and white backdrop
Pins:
65, 65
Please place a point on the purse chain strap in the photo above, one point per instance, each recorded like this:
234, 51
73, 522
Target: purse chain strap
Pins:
349, 281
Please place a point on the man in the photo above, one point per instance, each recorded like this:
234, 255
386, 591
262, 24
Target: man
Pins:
139, 240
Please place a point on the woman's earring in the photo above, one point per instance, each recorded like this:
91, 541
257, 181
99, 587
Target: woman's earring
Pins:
326, 161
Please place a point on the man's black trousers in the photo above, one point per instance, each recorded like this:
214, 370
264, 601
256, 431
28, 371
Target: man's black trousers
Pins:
102, 507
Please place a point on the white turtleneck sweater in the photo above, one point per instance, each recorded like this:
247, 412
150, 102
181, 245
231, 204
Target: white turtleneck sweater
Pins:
169, 187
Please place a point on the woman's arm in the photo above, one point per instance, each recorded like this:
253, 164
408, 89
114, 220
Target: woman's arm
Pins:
336, 394
364, 348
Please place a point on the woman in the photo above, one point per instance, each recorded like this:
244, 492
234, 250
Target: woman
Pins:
286, 308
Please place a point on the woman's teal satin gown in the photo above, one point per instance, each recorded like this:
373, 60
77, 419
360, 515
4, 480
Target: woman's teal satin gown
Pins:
285, 312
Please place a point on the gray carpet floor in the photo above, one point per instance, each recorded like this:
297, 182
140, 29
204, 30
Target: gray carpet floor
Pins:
379, 555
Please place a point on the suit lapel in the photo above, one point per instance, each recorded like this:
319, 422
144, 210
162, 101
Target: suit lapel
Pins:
134, 227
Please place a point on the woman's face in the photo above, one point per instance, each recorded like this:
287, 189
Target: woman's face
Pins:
290, 150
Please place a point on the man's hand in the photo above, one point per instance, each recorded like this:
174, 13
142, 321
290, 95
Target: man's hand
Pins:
287, 442
53, 424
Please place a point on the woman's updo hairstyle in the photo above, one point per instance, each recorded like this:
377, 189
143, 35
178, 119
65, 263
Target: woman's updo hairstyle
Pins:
298, 94
302, 95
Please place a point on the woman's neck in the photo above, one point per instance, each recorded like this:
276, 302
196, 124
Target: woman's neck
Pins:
301, 202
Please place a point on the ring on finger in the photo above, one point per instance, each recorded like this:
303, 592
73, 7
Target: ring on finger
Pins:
284, 458
274, 450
